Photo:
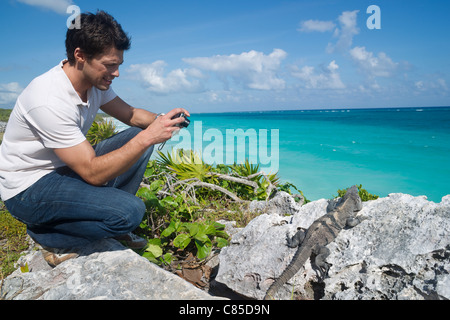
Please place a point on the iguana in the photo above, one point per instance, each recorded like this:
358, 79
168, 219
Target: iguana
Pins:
322, 231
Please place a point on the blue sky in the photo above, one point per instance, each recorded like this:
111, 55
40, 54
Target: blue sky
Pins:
220, 56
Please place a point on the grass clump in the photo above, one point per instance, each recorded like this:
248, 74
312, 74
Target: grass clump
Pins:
13, 241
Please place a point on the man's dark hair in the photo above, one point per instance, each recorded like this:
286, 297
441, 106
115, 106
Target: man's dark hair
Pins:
98, 33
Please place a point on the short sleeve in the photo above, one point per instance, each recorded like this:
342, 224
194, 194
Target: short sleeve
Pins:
55, 126
107, 96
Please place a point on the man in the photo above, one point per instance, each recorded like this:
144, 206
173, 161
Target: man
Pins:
67, 192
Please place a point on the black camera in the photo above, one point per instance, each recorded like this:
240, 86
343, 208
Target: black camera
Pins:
184, 124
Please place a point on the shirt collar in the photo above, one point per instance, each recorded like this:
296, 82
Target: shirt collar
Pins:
75, 98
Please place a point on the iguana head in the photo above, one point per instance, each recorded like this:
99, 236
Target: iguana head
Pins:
352, 198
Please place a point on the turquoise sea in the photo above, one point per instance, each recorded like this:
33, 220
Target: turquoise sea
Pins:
397, 150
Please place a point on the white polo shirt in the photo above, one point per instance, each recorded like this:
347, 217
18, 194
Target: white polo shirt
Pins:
48, 114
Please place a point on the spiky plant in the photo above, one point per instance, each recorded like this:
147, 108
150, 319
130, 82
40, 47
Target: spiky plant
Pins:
186, 164
101, 130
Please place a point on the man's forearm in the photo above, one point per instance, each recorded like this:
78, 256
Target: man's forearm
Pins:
134, 117
142, 118
111, 165
97, 170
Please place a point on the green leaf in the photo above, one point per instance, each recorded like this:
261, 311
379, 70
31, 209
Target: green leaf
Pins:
222, 234
182, 241
150, 257
219, 226
143, 224
210, 230
179, 226
169, 230
155, 185
167, 258
169, 201
145, 193
221, 242
203, 249
179, 199
24, 269
200, 236
207, 229
192, 228
155, 241
148, 172
155, 250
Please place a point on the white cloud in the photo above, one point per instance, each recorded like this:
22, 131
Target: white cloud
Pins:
346, 31
327, 79
59, 6
374, 66
153, 77
254, 69
316, 25
9, 92
223, 96
435, 84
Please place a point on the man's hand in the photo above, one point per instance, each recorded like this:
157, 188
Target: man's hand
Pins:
162, 129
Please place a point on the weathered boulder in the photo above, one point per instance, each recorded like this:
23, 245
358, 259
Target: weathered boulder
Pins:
401, 251
282, 203
104, 270
258, 253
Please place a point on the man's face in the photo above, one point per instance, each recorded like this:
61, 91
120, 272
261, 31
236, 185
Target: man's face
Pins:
101, 70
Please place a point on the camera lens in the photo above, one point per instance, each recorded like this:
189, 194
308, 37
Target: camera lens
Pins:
184, 124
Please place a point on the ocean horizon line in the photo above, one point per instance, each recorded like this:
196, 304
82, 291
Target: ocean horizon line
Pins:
320, 109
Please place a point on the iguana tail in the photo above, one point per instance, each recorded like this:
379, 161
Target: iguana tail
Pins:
297, 262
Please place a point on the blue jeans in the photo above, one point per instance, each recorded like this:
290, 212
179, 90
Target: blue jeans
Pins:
61, 210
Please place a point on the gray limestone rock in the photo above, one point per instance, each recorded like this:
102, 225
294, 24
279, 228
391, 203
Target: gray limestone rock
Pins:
104, 271
400, 251
282, 203
258, 254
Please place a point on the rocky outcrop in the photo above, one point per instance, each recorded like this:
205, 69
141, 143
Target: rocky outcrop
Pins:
104, 270
401, 251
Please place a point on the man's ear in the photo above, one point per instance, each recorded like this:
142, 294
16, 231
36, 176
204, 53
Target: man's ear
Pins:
80, 56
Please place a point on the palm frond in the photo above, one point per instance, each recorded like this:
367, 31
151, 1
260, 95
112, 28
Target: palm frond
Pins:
185, 164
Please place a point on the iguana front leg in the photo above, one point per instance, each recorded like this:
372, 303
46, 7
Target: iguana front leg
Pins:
297, 239
354, 221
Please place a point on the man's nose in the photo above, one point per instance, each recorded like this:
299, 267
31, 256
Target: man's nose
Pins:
116, 73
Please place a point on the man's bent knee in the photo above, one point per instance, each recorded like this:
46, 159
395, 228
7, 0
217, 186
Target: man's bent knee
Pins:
127, 217
137, 213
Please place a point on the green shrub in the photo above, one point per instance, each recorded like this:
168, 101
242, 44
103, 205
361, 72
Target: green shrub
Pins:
363, 194
4, 114
185, 197
101, 130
